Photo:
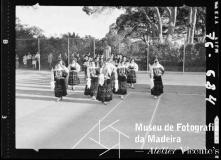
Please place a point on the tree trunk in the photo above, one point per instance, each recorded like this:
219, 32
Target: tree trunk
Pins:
192, 31
189, 25
147, 50
172, 23
160, 26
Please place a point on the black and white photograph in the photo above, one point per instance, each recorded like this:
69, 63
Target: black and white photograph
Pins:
112, 78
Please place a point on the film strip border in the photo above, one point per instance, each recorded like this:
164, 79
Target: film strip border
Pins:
212, 76
7, 78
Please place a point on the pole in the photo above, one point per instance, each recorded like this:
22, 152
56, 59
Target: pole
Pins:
184, 57
94, 47
147, 50
68, 52
39, 63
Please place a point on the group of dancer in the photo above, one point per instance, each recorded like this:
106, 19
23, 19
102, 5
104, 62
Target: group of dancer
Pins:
104, 77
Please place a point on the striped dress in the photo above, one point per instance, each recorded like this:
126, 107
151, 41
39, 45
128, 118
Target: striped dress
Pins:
122, 80
73, 77
95, 71
60, 89
131, 75
105, 92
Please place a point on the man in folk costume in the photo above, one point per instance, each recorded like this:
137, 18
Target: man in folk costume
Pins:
58, 82
38, 58
132, 69
85, 66
25, 60
29, 60
156, 72
33, 61
65, 58
73, 78
105, 87
50, 60
94, 74
113, 73
122, 78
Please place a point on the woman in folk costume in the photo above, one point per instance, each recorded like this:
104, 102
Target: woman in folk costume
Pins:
87, 90
58, 76
122, 78
105, 87
156, 72
73, 78
131, 76
94, 74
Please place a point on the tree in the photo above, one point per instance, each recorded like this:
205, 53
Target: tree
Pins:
26, 38
172, 14
25, 31
192, 24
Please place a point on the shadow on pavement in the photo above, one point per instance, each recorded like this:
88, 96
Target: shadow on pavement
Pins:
64, 100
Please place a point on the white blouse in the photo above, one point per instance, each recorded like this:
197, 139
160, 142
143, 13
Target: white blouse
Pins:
76, 65
156, 69
134, 65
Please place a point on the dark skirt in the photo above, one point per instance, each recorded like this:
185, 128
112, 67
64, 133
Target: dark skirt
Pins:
113, 84
158, 86
85, 72
104, 93
73, 79
29, 62
131, 77
94, 86
87, 91
122, 83
60, 87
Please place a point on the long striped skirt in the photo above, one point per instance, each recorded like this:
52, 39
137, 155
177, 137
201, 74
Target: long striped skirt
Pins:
85, 72
94, 86
122, 83
158, 86
73, 79
104, 93
131, 76
60, 89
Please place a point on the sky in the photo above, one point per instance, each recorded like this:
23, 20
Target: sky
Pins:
57, 20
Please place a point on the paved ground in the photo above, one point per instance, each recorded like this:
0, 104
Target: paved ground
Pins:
41, 122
